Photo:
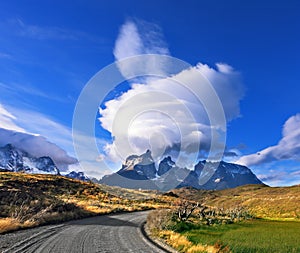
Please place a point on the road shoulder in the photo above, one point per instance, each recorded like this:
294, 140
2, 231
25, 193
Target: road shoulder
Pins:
157, 242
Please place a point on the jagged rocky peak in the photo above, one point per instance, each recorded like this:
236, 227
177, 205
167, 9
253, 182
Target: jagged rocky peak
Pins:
199, 167
147, 158
220, 175
45, 163
139, 167
78, 175
205, 174
143, 159
14, 159
11, 158
165, 165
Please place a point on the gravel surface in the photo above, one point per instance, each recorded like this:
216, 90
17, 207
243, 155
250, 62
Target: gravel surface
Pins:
107, 233
10, 239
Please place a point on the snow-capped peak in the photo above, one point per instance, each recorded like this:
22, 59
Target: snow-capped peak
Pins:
13, 159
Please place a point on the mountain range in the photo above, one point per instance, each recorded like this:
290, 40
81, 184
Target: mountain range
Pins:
13, 159
141, 172
17, 160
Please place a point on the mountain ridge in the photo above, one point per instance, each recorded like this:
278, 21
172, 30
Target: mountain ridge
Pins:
140, 172
14, 159
205, 175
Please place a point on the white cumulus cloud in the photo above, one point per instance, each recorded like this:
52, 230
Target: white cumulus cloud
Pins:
163, 114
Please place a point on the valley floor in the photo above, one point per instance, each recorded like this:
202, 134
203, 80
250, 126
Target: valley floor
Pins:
246, 237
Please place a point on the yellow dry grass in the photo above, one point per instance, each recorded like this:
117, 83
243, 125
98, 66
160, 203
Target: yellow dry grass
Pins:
200, 248
280, 203
9, 224
30, 200
182, 244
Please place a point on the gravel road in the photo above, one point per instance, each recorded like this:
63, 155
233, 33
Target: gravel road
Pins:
107, 233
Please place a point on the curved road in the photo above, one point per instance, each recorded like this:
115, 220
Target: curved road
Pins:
107, 233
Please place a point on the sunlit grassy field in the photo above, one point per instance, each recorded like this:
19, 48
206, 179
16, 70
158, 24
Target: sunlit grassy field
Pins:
273, 224
250, 236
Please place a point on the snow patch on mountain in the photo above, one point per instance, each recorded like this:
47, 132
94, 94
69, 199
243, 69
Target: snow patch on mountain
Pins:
13, 159
139, 171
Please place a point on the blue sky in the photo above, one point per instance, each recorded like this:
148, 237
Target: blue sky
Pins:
50, 49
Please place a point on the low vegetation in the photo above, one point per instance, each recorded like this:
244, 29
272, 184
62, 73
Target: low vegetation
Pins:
28, 200
245, 219
249, 236
171, 225
261, 201
253, 218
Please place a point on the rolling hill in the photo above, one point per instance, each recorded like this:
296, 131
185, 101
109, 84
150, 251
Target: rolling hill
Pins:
28, 200
260, 200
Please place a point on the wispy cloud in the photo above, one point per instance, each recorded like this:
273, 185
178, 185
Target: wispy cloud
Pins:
5, 56
139, 37
21, 28
288, 148
7, 120
37, 146
273, 178
296, 173
36, 134
18, 90
92, 162
278, 173
38, 123
40, 135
